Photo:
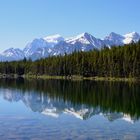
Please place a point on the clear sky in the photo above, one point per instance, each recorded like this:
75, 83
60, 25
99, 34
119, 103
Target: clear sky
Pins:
23, 20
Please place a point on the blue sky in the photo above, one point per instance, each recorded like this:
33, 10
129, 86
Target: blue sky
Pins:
23, 20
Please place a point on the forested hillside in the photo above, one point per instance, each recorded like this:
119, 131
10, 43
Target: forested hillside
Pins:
119, 61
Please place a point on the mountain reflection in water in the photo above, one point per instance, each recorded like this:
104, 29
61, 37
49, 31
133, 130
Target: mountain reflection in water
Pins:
83, 99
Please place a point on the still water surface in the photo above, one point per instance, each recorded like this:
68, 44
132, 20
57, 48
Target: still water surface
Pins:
59, 109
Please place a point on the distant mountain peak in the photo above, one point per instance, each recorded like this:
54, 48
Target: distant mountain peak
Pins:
53, 38
57, 45
114, 36
114, 39
113, 33
83, 38
85, 34
12, 54
12, 50
133, 36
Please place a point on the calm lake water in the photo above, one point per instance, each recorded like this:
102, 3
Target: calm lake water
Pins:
59, 109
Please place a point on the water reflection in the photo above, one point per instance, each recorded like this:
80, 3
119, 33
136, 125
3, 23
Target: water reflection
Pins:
82, 99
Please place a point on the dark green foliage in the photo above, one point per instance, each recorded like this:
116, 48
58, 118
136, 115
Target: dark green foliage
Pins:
115, 62
108, 96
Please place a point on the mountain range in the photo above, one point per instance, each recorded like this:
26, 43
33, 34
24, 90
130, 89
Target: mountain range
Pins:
57, 45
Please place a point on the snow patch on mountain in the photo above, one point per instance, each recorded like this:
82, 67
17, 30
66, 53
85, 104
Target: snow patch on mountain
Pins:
80, 38
113, 39
130, 37
54, 39
12, 54
56, 45
34, 46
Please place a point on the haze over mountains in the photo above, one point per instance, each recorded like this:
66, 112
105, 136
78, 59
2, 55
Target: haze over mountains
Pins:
56, 45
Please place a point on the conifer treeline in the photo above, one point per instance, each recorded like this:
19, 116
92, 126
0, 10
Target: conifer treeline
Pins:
115, 62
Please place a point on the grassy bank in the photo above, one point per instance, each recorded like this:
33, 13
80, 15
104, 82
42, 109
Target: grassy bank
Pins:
76, 77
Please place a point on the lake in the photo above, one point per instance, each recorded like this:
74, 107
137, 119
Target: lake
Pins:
61, 109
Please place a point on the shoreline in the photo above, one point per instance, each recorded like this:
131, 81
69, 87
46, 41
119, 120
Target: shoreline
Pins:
77, 77
74, 77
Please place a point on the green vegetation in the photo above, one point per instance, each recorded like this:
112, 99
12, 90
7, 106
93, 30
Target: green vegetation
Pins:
117, 62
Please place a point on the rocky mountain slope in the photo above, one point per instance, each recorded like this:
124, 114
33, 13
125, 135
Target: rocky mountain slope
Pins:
56, 45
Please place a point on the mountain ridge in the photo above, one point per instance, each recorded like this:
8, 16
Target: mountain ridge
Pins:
57, 45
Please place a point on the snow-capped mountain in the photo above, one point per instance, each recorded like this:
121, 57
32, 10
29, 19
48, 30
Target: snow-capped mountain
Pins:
86, 39
82, 42
114, 39
56, 45
40, 48
54, 39
35, 46
134, 36
12, 54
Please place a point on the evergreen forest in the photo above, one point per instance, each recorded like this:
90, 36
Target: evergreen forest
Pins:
117, 61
